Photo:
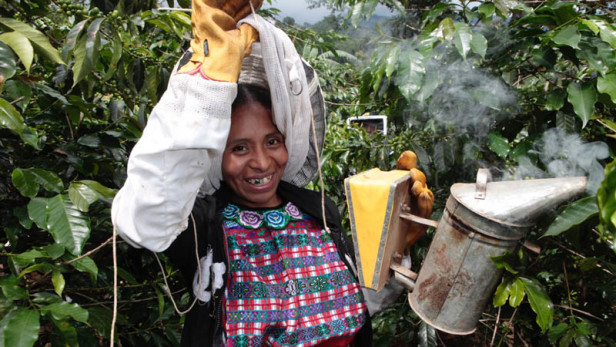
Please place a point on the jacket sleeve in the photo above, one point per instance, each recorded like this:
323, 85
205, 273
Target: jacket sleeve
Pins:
183, 140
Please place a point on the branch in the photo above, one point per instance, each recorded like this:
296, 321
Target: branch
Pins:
88, 253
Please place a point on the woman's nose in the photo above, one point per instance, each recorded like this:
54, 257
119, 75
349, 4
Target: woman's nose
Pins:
260, 159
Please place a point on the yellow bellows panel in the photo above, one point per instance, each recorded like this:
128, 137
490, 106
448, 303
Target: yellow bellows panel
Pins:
374, 198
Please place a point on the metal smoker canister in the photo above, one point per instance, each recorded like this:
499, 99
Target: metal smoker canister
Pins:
457, 277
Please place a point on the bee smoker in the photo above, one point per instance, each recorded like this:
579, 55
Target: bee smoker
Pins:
457, 277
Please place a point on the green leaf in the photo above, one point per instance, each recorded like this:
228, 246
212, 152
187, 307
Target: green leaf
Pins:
426, 335
39, 40
502, 292
26, 258
445, 30
505, 261
516, 293
568, 36
392, 61
58, 282
8, 63
83, 66
102, 191
555, 100
41, 268
116, 47
87, 265
54, 250
100, 319
21, 46
10, 118
20, 328
63, 309
71, 38
479, 44
607, 85
31, 138
28, 181
498, 144
462, 38
68, 332
540, 302
583, 98
15, 90
82, 196
487, 9
355, 14
575, 214
607, 33
68, 226
93, 40
607, 199
411, 73
37, 212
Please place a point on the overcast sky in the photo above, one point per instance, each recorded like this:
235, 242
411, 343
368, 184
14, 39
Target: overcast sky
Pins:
298, 9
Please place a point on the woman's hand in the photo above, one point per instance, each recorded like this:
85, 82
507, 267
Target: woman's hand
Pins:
422, 197
218, 45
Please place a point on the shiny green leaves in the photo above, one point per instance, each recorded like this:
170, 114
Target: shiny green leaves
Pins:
21, 46
68, 226
540, 302
39, 41
10, 118
574, 214
607, 85
514, 289
583, 98
19, 328
29, 181
86, 50
606, 198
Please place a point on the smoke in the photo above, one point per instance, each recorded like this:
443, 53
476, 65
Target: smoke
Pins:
459, 96
565, 155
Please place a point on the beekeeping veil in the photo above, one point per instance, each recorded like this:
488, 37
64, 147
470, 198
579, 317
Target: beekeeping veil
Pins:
297, 100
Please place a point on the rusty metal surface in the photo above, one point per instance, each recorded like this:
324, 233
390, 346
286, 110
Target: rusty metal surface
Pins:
457, 277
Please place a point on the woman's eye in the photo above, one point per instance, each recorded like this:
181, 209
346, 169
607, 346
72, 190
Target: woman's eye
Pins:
238, 148
274, 141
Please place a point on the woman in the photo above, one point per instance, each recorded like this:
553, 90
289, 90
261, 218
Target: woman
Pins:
286, 281
255, 250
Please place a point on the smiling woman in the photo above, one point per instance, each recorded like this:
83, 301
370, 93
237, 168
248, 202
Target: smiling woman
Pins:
265, 259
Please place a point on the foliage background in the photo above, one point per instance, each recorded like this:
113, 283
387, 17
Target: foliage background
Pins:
526, 89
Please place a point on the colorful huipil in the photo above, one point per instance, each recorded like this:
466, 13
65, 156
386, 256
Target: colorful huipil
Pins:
287, 284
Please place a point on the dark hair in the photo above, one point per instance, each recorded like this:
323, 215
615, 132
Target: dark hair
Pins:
247, 93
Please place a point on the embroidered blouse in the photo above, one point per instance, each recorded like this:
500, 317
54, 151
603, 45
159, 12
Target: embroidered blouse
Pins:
287, 285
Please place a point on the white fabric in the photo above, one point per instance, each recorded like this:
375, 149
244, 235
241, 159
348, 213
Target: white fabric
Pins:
289, 90
185, 131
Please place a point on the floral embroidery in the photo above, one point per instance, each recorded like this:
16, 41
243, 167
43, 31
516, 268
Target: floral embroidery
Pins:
230, 212
250, 219
275, 219
293, 211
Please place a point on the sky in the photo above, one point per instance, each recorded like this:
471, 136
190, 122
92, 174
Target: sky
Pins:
298, 9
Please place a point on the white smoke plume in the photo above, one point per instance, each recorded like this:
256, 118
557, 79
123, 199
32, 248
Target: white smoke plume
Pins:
564, 155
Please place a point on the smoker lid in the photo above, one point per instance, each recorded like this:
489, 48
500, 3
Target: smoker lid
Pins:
518, 203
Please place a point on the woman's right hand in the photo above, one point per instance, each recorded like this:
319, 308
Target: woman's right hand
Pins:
218, 45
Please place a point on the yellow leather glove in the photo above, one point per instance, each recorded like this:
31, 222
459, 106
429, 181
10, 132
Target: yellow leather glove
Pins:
422, 198
218, 46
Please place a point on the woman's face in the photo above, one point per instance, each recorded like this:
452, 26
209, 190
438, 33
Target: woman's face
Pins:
255, 156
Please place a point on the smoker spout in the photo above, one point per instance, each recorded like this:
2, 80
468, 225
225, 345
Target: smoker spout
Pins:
521, 202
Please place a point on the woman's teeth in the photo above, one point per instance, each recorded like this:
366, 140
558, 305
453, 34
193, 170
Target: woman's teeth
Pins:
260, 181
